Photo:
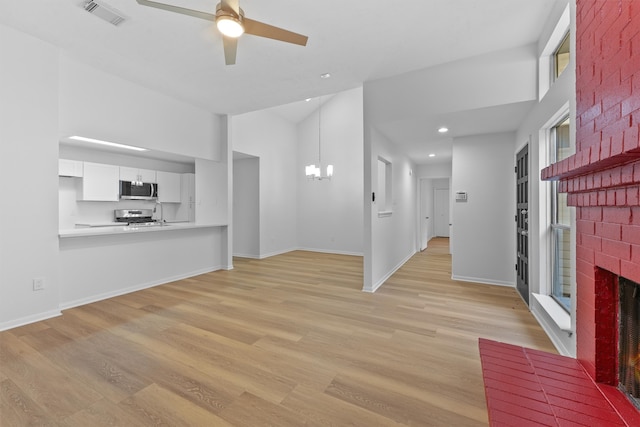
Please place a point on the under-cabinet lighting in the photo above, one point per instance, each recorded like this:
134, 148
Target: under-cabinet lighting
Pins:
110, 144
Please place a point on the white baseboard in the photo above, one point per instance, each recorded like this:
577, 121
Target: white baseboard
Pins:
250, 256
376, 286
324, 251
270, 254
483, 281
139, 287
331, 251
29, 319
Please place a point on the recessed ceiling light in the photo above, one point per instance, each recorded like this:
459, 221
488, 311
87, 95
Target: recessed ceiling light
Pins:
432, 155
325, 75
308, 99
110, 144
443, 130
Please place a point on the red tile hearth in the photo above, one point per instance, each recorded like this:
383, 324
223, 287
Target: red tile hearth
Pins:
526, 387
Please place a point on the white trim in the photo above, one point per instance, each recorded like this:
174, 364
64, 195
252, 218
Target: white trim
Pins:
252, 256
270, 254
483, 281
559, 315
550, 328
29, 319
328, 251
139, 287
376, 286
323, 251
545, 61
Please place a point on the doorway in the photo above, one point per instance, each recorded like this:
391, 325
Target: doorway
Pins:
246, 205
522, 221
426, 212
441, 212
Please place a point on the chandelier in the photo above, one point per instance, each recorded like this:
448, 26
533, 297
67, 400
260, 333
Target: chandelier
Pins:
313, 171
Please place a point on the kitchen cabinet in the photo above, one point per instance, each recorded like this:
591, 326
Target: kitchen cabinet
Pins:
169, 187
71, 168
136, 174
99, 182
187, 208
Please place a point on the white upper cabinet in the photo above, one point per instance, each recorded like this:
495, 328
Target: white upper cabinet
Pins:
169, 187
136, 174
99, 183
70, 168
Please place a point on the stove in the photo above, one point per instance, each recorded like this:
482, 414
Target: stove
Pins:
135, 216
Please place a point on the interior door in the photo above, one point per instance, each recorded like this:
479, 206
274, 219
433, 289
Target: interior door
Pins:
441, 207
522, 221
426, 212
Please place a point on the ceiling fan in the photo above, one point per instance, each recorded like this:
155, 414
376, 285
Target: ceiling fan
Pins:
232, 23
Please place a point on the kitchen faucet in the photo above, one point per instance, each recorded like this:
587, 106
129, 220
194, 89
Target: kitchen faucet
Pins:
161, 211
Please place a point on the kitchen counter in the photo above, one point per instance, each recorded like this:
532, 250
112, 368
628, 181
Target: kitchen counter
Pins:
131, 229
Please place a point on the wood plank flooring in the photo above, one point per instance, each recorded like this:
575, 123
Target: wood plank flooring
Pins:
286, 341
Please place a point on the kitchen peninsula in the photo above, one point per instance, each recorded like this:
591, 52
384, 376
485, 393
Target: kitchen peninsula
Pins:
186, 232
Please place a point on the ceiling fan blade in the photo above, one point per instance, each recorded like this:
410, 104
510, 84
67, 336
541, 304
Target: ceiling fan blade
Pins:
261, 29
231, 5
230, 48
178, 9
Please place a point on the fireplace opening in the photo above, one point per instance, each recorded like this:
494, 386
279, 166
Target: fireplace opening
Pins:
629, 340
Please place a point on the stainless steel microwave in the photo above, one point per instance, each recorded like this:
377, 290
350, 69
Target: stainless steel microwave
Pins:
136, 190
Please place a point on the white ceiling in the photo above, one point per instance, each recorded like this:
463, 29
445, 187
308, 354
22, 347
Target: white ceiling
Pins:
356, 41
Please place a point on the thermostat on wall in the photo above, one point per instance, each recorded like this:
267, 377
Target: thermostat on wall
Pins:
461, 196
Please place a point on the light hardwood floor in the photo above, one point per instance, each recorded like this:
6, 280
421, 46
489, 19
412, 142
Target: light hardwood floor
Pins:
285, 341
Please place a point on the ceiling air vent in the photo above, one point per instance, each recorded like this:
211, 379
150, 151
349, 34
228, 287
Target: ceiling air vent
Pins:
104, 11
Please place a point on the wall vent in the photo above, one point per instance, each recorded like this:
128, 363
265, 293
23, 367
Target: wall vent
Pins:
104, 11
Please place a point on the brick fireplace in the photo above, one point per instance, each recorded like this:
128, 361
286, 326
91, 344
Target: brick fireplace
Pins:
603, 178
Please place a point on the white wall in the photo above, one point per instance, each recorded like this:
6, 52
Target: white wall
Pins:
507, 76
246, 208
103, 106
99, 267
265, 135
435, 170
483, 235
330, 211
45, 95
28, 171
211, 192
389, 240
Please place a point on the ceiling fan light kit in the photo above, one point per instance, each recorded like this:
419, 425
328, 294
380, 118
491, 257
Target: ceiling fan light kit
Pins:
231, 22
228, 23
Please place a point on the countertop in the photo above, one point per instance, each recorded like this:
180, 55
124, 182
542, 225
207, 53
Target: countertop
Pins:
129, 229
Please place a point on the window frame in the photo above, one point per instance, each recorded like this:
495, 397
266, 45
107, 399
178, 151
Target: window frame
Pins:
555, 226
555, 74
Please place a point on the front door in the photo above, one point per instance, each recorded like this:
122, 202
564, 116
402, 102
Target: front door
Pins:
522, 221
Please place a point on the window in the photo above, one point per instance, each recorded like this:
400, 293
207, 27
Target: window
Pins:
555, 55
561, 248
561, 57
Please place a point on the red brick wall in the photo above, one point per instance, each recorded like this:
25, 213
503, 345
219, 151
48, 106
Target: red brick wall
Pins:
603, 177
